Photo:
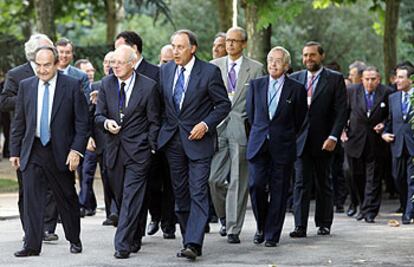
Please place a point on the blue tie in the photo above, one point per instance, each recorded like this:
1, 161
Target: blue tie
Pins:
44, 117
405, 105
271, 99
179, 89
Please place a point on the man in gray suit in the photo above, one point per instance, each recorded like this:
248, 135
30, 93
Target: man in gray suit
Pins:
228, 177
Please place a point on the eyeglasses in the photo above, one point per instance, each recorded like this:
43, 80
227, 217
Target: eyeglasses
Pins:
234, 41
118, 62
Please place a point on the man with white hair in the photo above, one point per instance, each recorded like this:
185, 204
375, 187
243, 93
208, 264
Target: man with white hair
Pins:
128, 110
9, 95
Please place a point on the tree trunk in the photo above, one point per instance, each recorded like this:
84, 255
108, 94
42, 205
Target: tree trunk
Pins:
45, 19
114, 14
225, 10
392, 8
258, 44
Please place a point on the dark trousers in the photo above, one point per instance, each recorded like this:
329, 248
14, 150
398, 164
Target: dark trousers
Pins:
366, 176
41, 173
190, 184
20, 202
269, 206
311, 170
338, 177
87, 170
109, 198
128, 180
5, 125
403, 170
160, 194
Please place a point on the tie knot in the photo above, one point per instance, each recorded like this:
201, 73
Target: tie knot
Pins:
233, 65
46, 84
274, 83
123, 84
182, 69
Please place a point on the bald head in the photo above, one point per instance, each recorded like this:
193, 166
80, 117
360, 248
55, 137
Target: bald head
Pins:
166, 54
123, 61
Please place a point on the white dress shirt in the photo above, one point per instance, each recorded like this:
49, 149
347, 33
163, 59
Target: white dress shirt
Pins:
40, 93
129, 86
187, 72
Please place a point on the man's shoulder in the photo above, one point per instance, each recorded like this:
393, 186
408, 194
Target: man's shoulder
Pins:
292, 82
77, 72
219, 61
253, 63
150, 66
20, 70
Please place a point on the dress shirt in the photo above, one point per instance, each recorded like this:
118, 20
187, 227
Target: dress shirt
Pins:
65, 70
238, 62
187, 72
279, 86
129, 86
40, 93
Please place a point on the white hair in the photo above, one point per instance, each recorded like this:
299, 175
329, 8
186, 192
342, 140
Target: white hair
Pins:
36, 40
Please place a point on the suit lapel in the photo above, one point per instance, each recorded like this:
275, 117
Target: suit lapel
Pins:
323, 81
113, 95
361, 105
169, 84
58, 97
133, 99
192, 82
283, 97
33, 100
379, 95
242, 78
397, 106
264, 93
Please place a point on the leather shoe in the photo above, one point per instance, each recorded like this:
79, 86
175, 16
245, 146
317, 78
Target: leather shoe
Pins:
189, 252
107, 222
298, 232
369, 220
50, 237
233, 239
352, 210
207, 228
223, 230
76, 248
26, 252
114, 218
168, 235
258, 238
359, 217
153, 227
82, 212
324, 231
90, 212
270, 244
121, 255
406, 220
136, 247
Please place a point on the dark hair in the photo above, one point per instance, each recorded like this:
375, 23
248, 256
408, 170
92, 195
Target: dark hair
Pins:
313, 43
131, 38
359, 65
191, 36
50, 48
65, 42
408, 68
371, 68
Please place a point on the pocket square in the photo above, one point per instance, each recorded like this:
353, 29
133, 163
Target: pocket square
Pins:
288, 101
383, 105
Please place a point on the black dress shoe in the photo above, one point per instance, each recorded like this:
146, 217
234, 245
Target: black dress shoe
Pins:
223, 230
270, 244
136, 247
369, 219
298, 232
352, 210
50, 237
76, 248
360, 216
258, 238
82, 212
153, 227
108, 222
90, 212
114, 218
339, 209
168, 235
233, 239
324, 231
207, 228
121, 255
26, 252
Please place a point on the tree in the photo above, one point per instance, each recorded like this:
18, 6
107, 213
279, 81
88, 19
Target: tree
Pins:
45, 19
225, 12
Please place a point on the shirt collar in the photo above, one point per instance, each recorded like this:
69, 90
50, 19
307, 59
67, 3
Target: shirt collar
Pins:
237, 61
33, 65
138, 63
279, 80
127, 81
65, 70
52, 82
315, 74
189, 65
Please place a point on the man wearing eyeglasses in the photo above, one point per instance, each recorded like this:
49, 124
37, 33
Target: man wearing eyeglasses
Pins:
128, 110
228, 177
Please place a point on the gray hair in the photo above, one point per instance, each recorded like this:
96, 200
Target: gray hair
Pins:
359, 65
286, 54
48, 48
35, 41
241, 30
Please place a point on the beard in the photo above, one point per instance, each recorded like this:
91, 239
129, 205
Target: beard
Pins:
313, 67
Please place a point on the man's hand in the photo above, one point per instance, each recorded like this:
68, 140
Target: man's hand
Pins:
91, 145
112, 126
389, 138
73, 160
344, 136
15, 162
93, 97
329, 145
198, 131
379, 127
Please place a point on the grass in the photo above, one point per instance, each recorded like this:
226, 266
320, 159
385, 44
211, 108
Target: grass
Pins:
7, 185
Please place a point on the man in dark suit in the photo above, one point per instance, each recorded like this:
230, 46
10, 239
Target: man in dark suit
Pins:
195, 102
322, 127
128, 109
367, 109
276, 109
8, 102
399, 133
48, 138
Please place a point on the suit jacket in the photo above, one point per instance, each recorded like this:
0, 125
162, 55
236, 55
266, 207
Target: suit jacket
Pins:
69, 127
404, 135
83, 77
327, 113
285, 124
97, 133
141, 123
233, 125
205, 100
360, 127
149, 70
14, 76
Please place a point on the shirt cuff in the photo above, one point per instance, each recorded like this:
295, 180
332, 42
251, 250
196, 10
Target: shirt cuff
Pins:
333, 138
77, 152
106, 125
205, 124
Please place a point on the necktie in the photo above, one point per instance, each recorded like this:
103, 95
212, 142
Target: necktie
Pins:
272, 104
309, 89
122, 100
231, 79
44, 117
405, 105
370, 102
179, 89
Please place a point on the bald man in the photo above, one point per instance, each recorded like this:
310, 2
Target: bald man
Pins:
128, 110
